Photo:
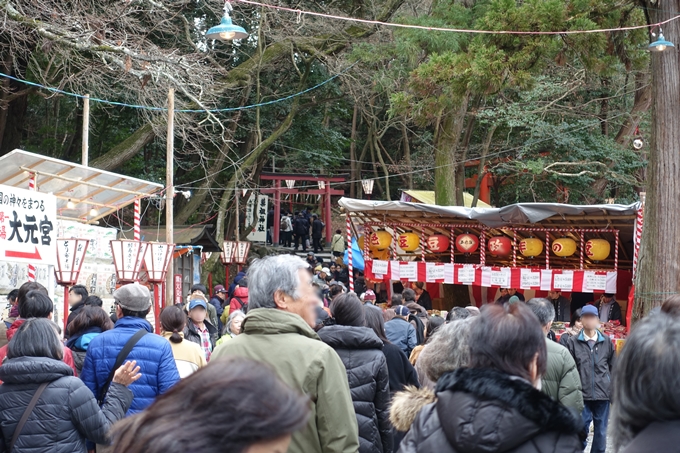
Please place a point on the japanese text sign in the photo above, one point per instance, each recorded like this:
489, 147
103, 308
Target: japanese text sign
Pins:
28, 222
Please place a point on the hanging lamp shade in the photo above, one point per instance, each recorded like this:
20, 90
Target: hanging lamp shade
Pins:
226, 30
660, 44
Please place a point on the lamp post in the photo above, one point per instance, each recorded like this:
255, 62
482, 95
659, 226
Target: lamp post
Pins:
227, 257
128, 257
241, 253
157, 259
70, 257
367, 185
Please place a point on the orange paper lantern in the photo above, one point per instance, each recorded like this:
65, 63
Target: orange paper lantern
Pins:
500, 246
409, 241
438, 243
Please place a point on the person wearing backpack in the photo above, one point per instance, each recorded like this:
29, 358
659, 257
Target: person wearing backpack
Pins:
240, 299
132, 337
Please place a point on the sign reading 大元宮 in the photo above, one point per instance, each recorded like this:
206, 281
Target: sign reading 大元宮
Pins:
28, 226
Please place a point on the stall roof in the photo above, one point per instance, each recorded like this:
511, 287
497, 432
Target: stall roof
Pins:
198, 235
86, 187
441, 219
427, 197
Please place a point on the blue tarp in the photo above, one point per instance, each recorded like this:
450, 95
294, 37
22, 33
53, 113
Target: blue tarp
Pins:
357, 256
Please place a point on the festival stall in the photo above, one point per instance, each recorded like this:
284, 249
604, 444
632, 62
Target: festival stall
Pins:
534, 247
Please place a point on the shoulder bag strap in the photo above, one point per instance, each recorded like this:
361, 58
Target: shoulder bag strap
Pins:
27, 413
122, 355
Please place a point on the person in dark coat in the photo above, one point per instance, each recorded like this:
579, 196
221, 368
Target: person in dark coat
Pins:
90, 322
317, 233
66, 412
199, 330
646, 414
495, 405
360, 350
217, 300
609, 309
422, 296
594, 355
301, 230
561, 304
76, 300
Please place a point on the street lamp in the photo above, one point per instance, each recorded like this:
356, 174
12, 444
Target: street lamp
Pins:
660, 44
241, 253
367, 184
226, 30
227, 257
128, 257
70, 257
157, 260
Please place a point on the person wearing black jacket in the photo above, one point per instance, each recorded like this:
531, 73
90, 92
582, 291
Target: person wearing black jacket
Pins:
422, 296
301, 230
199, 330
76, 300
66, 412
317, 233
494, 404
594, 355
360, 350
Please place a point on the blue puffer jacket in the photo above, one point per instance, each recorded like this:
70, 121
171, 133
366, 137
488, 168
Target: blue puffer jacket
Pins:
152, 353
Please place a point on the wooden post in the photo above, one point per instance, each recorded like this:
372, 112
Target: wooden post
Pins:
169, 195
328, 214
238, 215
277, 212
86, 130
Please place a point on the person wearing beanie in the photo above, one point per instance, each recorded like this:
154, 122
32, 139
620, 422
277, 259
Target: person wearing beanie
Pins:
152, 352
400, 332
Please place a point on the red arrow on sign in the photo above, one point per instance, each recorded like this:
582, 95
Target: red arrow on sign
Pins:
25, 255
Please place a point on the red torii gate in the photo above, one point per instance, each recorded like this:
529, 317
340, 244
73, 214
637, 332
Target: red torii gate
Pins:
277, 190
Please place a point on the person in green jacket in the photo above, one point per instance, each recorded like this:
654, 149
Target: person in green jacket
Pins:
277, 331
561, 380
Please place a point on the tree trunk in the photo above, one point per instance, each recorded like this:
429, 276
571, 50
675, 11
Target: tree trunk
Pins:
125, 150
353, 166
659, 268
407, 155
446, 155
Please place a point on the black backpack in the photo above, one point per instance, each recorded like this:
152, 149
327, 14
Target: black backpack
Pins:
244, 305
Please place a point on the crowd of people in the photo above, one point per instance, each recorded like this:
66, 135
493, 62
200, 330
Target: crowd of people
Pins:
282, 364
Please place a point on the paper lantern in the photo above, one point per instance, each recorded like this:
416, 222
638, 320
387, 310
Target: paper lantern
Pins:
564, 247
467, 243
531, 247
598, 249
438, 243
409, 241
360, 242
381, 254
500, 246
380, 240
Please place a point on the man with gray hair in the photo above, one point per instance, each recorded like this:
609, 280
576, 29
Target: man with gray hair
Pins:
278, 331
561, 380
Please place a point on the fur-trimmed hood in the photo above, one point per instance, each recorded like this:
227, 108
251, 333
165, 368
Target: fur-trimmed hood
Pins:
485, 410
406, 405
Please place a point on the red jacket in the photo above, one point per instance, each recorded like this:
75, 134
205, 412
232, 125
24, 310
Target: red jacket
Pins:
68, 355
242, 293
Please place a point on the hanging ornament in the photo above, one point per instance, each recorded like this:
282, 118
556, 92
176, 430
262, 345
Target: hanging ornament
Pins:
500, 246
564, 247
408, 241
438, 243
598, 249
380, 240
531, 247
467, 243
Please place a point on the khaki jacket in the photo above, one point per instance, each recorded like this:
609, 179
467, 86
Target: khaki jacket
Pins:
561, 380
285, 341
